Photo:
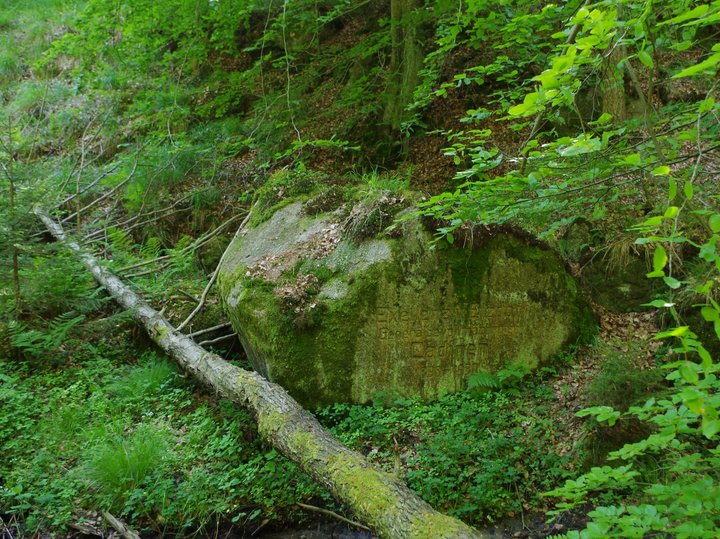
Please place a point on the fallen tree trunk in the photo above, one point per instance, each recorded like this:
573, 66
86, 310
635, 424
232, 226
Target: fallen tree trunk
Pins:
379, 499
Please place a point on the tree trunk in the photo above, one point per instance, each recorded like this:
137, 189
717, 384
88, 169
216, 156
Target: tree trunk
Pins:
405, 61
12, 225
612, 85
378, 499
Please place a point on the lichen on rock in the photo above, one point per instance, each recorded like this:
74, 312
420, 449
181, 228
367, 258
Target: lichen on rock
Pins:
334, 316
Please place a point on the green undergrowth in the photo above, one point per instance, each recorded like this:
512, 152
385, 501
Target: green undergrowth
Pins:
139, 441
135, 440
480, 455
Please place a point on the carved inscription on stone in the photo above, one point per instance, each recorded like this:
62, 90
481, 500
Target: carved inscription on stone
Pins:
439, 338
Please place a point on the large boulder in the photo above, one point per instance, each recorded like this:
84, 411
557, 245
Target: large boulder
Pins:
335, 313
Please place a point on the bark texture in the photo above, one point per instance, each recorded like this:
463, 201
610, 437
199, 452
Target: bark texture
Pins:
405, 61
378, 499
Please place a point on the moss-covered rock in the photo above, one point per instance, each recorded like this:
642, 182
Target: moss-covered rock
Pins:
334, 318
620, 288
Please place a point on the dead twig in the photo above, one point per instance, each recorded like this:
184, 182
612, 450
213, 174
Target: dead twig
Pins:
204, 295
110, 192
208, 330
332, 514
218, 339
121, 528
85, 530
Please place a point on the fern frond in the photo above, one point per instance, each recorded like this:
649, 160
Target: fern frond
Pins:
483, 380
151, 248
119, 240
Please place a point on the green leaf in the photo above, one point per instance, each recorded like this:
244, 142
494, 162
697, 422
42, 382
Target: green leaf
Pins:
605, 118
632, 159
695, 405
697, 69
653, 221
706, 105
705, 358
660, 258
710, 427
582, 146
688, 372
672, 190
646, 59
675, 332
683, 45
527, 107
672, 282
696, 13
661, 171
688, 190
658, 303
715, 223
710, 314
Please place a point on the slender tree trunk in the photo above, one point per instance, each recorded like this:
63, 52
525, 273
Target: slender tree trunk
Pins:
405, 61
379, 499
613, 85
12, 214
15, 251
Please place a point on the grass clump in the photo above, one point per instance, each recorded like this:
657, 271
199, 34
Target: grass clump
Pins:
621, 384
119, 464
147, 379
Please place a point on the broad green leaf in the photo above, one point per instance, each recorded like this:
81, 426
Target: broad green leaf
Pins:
695, 405
632, 159
582, 146
696, 13
605, 118
688, 372
661, 171
658, 303
672, 190
706, 105
672, 282
587, 42
675, 332
697, 69
705, 358
709, 313
646, 59
527, 107
688, 190
660, 258
710, 427
566, 61
683, 45
549, 78
715, 222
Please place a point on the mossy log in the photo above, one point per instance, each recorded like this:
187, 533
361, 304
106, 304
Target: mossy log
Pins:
379, 499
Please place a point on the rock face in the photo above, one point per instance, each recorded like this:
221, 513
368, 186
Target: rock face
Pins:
620, 288
334, 319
